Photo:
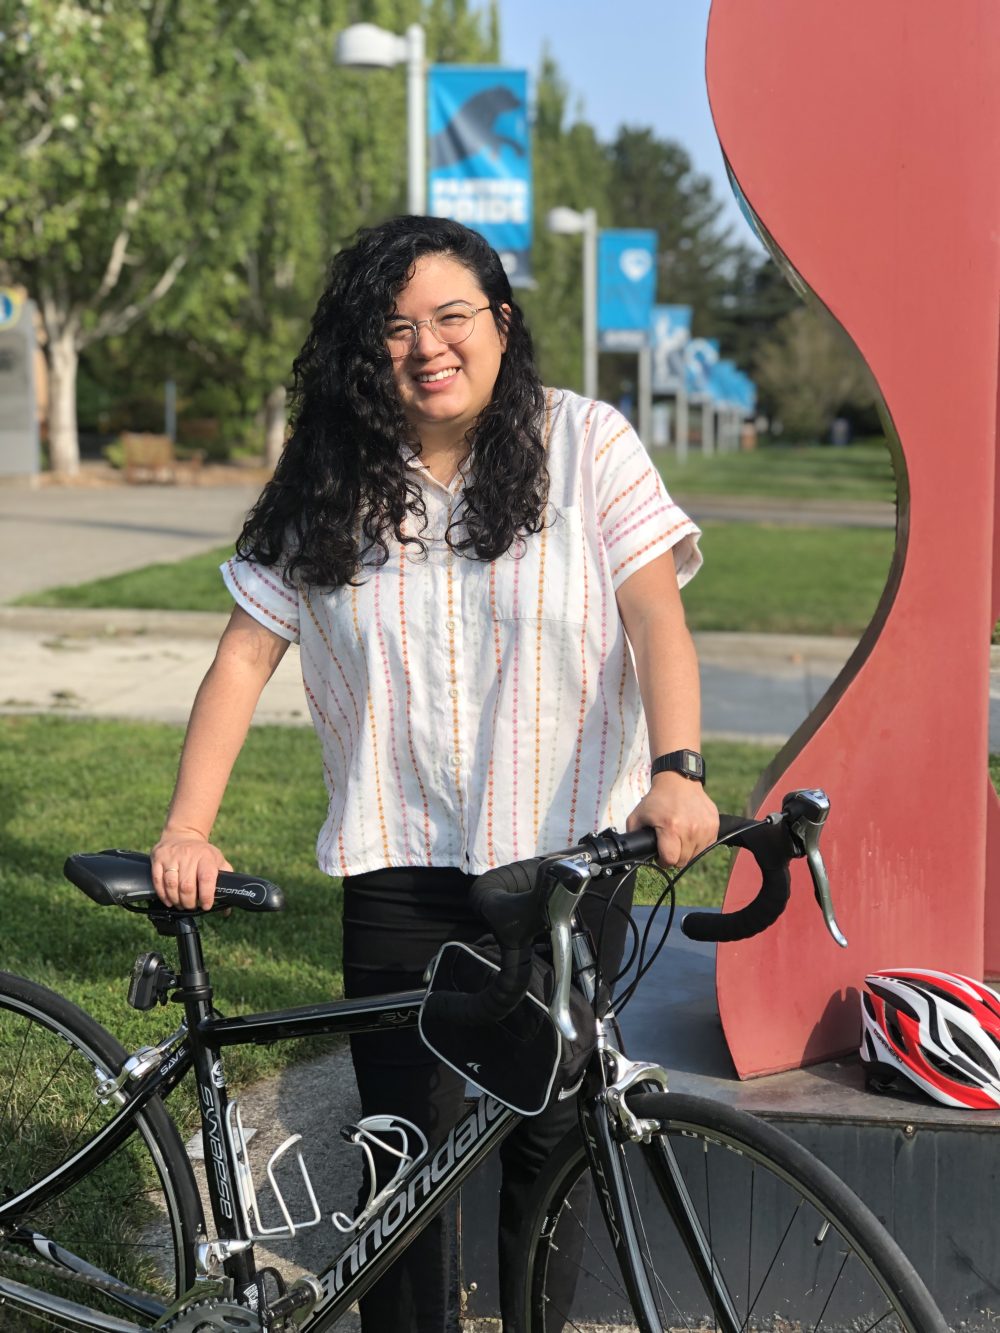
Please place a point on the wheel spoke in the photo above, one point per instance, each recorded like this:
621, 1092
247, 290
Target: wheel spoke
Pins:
774, 1259
736, 1227
126, 1217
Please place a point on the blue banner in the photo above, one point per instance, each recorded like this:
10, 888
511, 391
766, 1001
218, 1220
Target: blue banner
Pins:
626, 288
721, 384
669, 331
700, 355
730, 388
479, 157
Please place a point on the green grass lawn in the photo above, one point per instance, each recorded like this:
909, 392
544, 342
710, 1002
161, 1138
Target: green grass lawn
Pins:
788, 580
769, 579
862, 471
193, 584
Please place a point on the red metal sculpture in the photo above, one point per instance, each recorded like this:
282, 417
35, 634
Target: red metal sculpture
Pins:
866, 139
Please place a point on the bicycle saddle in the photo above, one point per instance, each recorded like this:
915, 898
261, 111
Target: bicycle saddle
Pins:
115, 878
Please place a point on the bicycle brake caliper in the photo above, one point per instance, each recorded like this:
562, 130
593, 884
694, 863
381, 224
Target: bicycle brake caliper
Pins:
626, 1075
138, 1065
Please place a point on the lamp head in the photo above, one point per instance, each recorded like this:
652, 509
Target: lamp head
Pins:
367, 46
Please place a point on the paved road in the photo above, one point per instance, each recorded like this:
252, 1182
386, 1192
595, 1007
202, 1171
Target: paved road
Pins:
59, 535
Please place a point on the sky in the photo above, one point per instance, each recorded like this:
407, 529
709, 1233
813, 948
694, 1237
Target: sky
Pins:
631, 62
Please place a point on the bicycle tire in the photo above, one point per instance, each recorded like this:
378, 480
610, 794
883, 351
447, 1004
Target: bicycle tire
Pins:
794, 1247
136, 1216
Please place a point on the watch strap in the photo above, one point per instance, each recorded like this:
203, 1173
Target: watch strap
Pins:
687, 762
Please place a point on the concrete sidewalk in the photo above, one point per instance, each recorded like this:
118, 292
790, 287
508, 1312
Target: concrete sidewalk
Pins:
147, 665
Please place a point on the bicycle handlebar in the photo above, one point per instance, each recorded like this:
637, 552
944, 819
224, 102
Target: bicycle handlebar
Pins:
772, 849
521, 900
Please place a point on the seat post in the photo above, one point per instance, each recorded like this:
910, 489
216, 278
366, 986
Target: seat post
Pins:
194, 989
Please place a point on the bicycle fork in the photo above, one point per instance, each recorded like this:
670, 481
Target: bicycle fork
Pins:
608, 1123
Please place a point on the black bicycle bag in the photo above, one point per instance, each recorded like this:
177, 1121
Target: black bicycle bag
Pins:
521, 1060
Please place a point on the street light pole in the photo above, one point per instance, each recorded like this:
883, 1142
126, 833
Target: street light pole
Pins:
367, 46
568, 222
416, 113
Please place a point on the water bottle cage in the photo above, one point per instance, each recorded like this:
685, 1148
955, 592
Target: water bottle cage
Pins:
366, 1135
248, 1193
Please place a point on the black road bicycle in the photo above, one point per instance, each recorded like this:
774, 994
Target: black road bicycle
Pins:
678, 1213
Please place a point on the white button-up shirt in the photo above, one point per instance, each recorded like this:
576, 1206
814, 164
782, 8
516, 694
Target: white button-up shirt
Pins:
470, 712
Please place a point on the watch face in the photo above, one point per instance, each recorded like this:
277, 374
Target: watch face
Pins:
692, 762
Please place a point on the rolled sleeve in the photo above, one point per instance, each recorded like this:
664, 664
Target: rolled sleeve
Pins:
639, 521
262, 593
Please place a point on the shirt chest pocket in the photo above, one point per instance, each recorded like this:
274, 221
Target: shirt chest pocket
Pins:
551, 579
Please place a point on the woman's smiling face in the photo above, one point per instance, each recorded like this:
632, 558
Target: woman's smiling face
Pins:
443, 387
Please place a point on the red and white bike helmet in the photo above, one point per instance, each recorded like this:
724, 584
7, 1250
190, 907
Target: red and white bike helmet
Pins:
937, 1029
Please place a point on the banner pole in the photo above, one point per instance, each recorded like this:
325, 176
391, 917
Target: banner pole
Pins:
645, 395
416, 119
589, 303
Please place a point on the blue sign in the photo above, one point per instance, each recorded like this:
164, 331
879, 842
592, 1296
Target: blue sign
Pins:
479, 157
10, 307
669, 331
626, 288
721, 384
730, 388
700, 355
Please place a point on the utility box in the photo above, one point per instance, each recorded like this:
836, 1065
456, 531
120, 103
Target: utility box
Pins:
19, 446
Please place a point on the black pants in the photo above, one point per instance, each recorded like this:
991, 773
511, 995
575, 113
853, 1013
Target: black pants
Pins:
394, 923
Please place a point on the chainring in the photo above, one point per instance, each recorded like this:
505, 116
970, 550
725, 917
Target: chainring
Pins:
215, 1317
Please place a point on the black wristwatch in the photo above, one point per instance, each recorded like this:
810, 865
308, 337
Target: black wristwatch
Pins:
688, 762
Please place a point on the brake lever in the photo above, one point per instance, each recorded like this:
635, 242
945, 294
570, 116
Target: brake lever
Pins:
572, 875
805, 812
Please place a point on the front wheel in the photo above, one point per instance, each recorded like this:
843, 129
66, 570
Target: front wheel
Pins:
738, 1228
120, 1241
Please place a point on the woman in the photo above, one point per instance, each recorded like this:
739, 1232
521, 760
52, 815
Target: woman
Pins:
483, 578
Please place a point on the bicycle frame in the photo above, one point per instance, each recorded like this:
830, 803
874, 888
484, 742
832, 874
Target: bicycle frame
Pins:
419, 1192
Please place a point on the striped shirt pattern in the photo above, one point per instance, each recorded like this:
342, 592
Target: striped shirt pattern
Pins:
473, 713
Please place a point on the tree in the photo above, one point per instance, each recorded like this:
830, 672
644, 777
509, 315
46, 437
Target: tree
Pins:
334, 159
127, 150
197, 162
758, 296
809, 371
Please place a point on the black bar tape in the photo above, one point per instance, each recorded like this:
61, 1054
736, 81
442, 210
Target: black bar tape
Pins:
772, 849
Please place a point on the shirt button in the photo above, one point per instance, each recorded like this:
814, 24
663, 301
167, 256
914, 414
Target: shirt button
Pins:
449, 624
453, 694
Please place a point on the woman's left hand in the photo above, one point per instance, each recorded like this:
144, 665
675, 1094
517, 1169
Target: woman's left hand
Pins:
683, 814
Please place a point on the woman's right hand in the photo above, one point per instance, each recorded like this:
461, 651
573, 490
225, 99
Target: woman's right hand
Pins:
185, 868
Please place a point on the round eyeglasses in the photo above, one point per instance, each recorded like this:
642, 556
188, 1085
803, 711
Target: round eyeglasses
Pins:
451, 323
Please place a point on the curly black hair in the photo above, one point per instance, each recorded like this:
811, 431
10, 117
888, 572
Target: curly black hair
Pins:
341, 491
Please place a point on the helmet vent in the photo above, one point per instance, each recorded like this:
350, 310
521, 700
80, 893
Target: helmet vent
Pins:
969, 1049
894, 1030
949, 1069
892, 998
939, 993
